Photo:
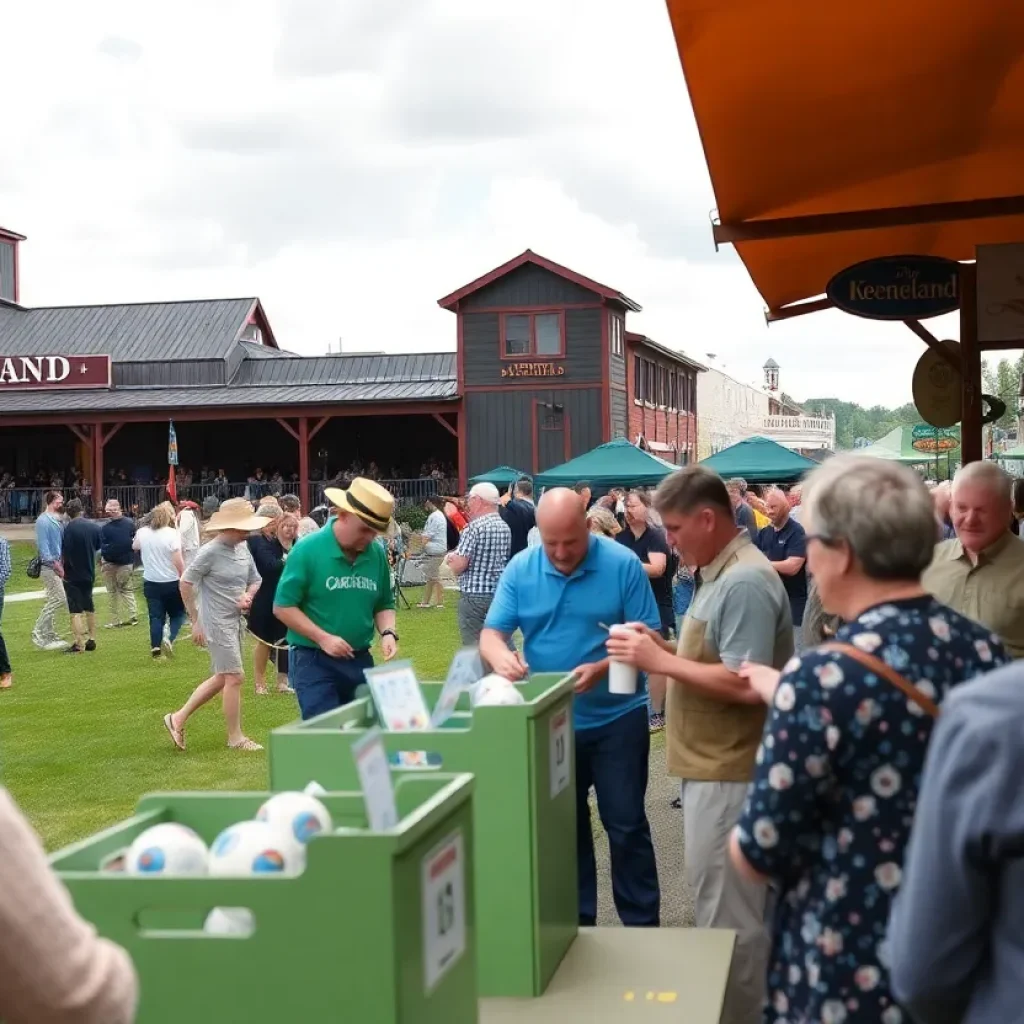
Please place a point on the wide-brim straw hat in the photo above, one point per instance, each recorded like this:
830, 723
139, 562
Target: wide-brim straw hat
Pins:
235, 514
366, 500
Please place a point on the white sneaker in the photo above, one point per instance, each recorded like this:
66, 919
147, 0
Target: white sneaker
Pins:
56, 645
168, 647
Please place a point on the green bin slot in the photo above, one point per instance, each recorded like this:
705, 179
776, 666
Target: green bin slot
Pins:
344, 940
524, 812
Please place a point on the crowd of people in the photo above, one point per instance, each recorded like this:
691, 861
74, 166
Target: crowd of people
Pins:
832, 666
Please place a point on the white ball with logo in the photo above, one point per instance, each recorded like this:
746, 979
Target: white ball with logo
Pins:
168, 849
496, 691
299, 816
255, 848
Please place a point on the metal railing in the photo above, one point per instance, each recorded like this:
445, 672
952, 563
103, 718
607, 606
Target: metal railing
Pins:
18, 503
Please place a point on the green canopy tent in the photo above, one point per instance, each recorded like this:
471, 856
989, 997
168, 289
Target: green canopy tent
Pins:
759, 460
500, 476
618, 463
913, 445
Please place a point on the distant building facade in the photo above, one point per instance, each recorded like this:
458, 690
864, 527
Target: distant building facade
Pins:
732, 410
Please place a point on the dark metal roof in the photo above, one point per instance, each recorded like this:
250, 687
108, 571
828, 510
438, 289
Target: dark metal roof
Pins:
349, 369
254, 350
679, 357
529, 256
18, 402
135, 332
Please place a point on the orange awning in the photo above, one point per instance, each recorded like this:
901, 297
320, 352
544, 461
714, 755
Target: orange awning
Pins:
807, 108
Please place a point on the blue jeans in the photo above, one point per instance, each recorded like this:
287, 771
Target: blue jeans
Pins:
163, 601
5, 664
613, 758
323, 683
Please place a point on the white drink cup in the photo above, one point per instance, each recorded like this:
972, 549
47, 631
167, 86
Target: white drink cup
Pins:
622, 678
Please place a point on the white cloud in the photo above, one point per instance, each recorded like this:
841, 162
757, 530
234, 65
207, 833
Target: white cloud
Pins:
352, 162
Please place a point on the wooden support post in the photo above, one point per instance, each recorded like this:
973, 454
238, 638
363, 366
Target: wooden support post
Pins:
461, 421
82, 435
970, 422
321, 423
109, 435
287, 426
444, 423
97, 465
304, 496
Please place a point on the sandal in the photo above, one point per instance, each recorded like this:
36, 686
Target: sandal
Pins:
177, 735
5, 681
422, 605
261, 689
285, 689
245, 744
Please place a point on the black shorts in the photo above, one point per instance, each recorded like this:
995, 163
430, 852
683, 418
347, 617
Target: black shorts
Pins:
668, 621
79, 597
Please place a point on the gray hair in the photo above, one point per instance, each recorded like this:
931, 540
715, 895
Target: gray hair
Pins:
271, 510
881, 509
737, 483
988, 474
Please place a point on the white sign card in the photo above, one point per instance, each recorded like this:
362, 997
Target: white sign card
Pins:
465, 671
1000, 292
375, 780
560, 751
397, 694
444, 909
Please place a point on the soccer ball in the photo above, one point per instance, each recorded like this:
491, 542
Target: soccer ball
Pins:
495, 691
167, 849
296, 815
254, 848
229, 921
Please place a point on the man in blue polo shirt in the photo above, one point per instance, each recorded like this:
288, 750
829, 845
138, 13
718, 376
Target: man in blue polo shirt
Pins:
558, 594
784, 543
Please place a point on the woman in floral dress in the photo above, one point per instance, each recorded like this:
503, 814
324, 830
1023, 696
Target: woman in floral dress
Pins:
832, 802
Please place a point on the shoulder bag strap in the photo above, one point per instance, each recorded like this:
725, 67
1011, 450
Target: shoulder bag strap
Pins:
880, 668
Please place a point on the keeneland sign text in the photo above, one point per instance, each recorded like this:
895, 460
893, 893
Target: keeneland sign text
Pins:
45, 372
897, 288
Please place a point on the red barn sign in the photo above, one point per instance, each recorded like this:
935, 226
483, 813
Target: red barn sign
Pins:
48, 372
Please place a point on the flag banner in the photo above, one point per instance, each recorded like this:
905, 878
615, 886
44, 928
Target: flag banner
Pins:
172, 486
172, 446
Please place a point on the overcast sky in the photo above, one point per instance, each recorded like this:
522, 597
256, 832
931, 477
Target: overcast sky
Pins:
351, 161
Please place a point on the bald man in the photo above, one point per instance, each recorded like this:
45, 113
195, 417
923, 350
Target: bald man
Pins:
980, 573
558, 594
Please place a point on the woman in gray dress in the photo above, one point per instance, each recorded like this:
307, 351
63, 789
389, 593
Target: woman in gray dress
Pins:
218, 589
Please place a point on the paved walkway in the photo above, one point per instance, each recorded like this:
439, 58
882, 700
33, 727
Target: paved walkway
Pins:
38, 595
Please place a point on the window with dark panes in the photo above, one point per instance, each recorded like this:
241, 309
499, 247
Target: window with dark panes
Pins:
548, 332
517, 335
638, 379
650, 387
552, 417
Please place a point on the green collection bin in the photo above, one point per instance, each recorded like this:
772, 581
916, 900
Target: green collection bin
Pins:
524, 811
350, 938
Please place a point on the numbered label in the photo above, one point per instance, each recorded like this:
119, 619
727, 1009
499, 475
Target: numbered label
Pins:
444, 909
560, 752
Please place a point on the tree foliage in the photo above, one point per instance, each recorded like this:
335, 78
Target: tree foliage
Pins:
854, 422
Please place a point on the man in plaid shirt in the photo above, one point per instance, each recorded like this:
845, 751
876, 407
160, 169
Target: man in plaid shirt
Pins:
479, 560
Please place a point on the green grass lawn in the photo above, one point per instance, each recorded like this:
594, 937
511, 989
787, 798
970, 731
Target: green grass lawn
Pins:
21, 552
81, 736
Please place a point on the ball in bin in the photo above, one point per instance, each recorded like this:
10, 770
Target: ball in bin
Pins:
167, 849
254, 848
495, 691
297, 815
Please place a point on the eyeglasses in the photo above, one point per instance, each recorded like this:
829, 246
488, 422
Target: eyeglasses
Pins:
829, 542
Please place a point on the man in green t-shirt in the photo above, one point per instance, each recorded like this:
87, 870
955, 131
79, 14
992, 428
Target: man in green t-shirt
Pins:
334, 591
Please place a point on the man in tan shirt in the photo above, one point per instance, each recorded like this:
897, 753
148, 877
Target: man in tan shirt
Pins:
980, 573
739, 613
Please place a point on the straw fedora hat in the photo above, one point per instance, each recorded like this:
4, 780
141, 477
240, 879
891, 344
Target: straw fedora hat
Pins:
235, 514
366, 500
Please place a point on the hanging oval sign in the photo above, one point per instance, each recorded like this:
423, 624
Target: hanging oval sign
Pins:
897, 288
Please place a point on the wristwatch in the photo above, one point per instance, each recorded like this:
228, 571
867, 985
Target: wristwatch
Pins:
389, 632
